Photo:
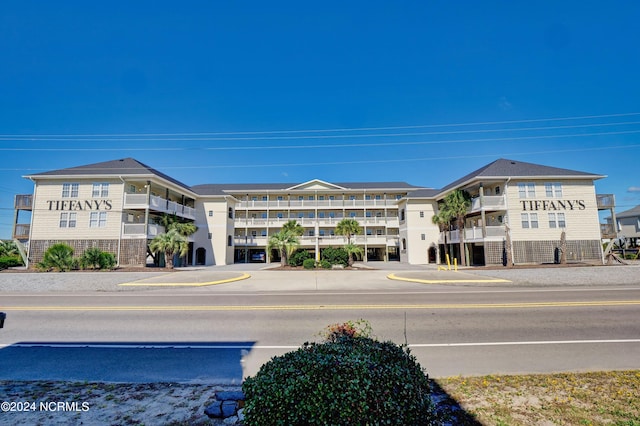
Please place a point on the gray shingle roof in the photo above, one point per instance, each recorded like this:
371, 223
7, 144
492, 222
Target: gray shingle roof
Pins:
629, 213
228, 188
503, 168
121, 167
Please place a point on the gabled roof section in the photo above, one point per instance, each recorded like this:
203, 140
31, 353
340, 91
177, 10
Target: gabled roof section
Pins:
423, 193
123, 167
316, 184
634, 212
312, 185
503, 169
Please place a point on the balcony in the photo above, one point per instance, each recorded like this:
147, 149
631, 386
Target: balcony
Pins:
23, 202
311, 204
473, 235
136, 230
489, 203
607, 230
606, 201
21, 231
159, 204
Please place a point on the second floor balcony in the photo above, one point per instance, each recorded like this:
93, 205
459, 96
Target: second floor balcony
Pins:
473, 234
21, 231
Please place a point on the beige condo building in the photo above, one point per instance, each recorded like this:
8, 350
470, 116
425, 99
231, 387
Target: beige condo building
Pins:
118, 205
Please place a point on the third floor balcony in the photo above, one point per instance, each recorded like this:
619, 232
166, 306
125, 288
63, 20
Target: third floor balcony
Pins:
158, 204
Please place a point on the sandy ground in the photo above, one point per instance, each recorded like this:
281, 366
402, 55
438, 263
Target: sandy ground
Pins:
107, 403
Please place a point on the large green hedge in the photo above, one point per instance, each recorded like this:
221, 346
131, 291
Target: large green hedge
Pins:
349, 380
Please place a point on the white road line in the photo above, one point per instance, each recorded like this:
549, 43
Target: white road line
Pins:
252, 347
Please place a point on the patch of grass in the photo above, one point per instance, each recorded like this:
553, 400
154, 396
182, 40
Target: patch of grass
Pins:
568, 398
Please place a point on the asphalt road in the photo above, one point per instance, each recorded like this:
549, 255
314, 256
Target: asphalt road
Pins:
220, 333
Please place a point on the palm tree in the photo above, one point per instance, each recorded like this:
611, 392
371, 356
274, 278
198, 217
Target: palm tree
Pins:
294, 228
285, 242
183, 228
169, 243
442, 221
455, 206
348, 228
353, 251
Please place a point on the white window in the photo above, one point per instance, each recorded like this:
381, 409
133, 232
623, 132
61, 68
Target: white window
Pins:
263, 215
378, 197
100, 190
527, 190
378, 231
557, 220
312, 215
321, 215
254, 233
279, 215
300, 215
70, 190
332, 214
529, 220
423, 237
68, 220
352, 197
280, 198
553, 189
369, 231
331, 197
321, 197
311, 197
321, 232
352, 214
210, 213
367, 197
497, 190
265, 198
421, 214
263, 233
300, 197
368, 214
311, 233
98, 220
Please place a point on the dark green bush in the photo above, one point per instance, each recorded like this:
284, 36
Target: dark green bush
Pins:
57, 257
107, 260
309, 264
94, 258
325, 264
9, 262
335, 256
299, 257
348, 381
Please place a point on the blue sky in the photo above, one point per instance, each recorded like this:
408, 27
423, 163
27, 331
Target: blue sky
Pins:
212, 91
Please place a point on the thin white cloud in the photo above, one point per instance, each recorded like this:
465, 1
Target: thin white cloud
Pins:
633, 189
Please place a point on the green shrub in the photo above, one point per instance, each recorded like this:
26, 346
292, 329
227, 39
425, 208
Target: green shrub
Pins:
58, 257
299, 257
336, 256
91, 258
94, 258
9, 262
325, 264
107, 260
309, 264
350, 380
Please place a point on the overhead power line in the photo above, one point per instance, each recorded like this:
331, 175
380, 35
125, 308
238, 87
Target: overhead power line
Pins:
353, 145
352, 129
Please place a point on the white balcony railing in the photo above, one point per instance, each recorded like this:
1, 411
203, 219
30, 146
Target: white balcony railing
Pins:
139, 201
296, 203
489, 202
132, 230
473, 234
